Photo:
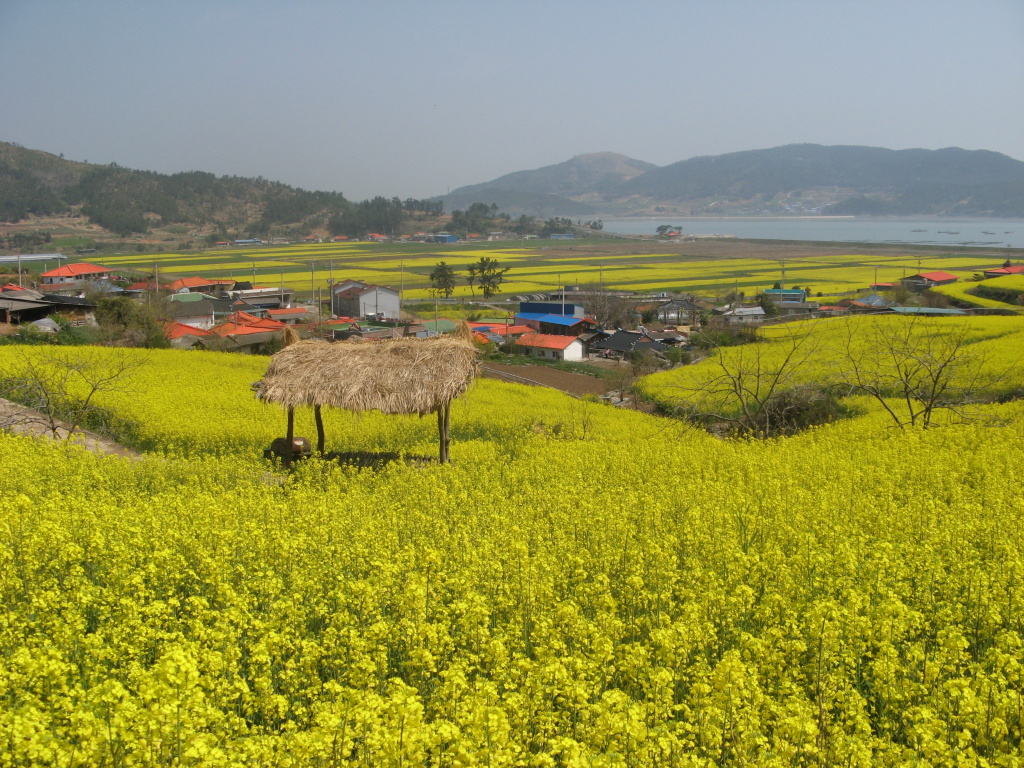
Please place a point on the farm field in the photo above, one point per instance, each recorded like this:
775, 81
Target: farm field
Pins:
582, 586
702, 267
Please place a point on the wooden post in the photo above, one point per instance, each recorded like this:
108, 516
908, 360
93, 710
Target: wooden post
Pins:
291, 437
319, 430
443, 424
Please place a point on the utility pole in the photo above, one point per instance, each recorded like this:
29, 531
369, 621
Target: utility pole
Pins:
312, 289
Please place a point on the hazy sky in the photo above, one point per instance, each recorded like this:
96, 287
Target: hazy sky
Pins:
413, 98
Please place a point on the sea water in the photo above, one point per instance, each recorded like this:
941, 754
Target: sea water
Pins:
992, 233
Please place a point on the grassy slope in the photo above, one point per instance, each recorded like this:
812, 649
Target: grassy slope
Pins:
581, 582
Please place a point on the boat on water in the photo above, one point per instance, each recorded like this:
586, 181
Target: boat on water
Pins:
919, 230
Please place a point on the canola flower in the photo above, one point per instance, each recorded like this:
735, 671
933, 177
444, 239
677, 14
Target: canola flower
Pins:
583, 586
306, 267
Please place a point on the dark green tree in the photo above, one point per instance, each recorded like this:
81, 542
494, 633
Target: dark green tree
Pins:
525, 225
556, 226
442, 279
488, 274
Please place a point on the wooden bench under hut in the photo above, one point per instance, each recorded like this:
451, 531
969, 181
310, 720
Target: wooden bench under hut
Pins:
404, 375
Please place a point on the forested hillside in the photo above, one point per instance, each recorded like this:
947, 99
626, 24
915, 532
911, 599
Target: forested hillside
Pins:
127, 201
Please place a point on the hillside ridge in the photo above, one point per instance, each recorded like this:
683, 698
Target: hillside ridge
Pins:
802, 179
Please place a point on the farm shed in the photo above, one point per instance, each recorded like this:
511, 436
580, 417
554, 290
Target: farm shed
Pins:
354, 298
394, 376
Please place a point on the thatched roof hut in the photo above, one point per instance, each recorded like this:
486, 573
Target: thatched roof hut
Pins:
403, 375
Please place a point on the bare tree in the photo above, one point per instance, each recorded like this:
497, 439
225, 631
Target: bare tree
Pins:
60, 388
611, 310
754, 389
915, 367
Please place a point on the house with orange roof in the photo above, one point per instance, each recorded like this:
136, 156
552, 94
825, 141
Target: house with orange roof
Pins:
289, 315
242, 323
552, 347
75, 273
199, 285
243, 332
183, 336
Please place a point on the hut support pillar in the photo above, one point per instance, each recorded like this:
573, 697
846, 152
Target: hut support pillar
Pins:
291, 436
443, 423
319, 429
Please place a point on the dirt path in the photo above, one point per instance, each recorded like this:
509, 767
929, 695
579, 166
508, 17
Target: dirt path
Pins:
540, 375
24, 421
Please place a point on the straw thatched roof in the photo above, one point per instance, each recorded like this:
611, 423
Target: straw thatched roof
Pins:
404, 375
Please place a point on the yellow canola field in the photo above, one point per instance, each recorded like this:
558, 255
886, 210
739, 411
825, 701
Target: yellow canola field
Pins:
536, 269
823, 350
582, 586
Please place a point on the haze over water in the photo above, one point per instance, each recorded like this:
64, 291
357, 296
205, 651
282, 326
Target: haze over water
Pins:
991, 233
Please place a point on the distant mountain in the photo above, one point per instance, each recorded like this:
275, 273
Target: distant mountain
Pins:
849, 179
126, 201
794, 179
566, 189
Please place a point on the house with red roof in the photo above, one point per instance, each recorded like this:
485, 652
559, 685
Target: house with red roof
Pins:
1004, 271
75, 273
552, 347
923, 280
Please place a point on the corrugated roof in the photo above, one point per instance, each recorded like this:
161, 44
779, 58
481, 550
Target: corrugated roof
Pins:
541, 317
441, 325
